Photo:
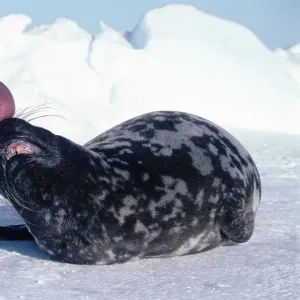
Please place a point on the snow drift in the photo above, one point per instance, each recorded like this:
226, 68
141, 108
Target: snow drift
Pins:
176, 58
291, 57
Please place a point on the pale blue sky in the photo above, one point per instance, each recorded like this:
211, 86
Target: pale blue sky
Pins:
275, 22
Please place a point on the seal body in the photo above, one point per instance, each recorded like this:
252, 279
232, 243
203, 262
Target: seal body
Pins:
162, 184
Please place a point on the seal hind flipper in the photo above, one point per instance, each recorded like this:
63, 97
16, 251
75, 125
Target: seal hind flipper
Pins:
15, 232
237, 222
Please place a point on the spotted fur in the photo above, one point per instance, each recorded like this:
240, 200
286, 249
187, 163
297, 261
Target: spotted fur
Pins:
161, 184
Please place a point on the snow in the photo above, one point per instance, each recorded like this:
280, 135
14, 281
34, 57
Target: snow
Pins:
291, 59
175, 58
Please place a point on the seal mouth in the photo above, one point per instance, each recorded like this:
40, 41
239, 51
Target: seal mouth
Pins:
21, 147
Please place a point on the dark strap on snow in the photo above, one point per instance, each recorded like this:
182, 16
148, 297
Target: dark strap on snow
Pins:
15, 233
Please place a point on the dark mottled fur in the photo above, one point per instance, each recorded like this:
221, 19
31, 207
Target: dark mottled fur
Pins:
161, 184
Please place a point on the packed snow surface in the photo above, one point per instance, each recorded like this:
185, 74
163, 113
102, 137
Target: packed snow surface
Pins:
176, 58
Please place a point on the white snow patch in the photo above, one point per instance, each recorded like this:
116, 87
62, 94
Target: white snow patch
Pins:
291, 60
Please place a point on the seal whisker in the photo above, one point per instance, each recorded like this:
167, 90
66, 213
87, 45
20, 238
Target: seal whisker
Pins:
34, 111
14, 197
30, 111
10, 197
27, 111
49, 115
21, 111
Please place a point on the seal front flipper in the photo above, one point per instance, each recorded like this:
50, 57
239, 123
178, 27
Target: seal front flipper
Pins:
14, 232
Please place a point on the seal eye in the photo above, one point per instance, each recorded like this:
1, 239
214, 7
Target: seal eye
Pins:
21, 147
